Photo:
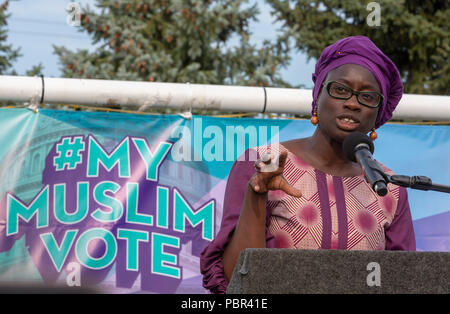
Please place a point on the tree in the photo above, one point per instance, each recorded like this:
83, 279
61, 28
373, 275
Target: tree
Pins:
7, 53
414, 34
174, 41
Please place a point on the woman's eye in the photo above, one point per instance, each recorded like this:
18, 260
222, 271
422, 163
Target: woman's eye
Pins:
340, 90
367, 96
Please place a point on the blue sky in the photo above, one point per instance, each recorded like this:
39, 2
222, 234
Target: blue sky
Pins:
35, 26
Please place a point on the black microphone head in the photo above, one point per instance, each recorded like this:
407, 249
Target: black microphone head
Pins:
352, 141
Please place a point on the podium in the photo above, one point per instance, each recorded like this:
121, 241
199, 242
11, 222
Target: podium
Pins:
290, 271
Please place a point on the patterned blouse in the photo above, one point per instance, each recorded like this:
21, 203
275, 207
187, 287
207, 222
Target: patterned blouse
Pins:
333, 213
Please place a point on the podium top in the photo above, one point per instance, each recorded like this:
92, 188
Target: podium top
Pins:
273, 271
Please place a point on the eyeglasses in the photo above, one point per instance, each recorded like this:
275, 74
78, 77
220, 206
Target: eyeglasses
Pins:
338, 90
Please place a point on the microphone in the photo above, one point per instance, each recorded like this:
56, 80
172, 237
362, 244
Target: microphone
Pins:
358, 147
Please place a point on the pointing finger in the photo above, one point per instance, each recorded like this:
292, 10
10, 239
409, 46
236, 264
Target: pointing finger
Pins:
289, 189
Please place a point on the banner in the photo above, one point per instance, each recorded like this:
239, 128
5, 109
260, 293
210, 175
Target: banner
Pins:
125, 203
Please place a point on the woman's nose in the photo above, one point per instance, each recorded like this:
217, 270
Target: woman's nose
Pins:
352, 103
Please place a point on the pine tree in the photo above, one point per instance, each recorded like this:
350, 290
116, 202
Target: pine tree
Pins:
174, 41
7, 53
414, 34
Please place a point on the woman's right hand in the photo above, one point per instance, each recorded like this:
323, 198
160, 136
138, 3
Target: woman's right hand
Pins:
269, 175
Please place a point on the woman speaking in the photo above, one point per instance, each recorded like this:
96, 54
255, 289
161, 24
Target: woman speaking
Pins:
305, 193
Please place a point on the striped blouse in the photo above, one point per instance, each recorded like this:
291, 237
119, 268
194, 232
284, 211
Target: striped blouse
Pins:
333, 213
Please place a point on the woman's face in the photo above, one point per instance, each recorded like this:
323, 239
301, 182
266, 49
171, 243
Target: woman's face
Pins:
338, 117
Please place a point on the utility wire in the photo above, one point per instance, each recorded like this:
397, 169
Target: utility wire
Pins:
48, 34
20, 19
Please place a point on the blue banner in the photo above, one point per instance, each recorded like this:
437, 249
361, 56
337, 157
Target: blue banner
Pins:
126, 203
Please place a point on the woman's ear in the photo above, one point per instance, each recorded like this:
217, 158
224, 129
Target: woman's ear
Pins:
321, 87
319, 95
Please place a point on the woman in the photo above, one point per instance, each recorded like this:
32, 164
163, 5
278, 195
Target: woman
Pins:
305, 193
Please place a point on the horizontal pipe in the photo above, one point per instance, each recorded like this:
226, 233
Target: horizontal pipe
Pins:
147, 95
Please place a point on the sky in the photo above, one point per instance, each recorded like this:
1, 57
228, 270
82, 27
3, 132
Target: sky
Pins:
36, 25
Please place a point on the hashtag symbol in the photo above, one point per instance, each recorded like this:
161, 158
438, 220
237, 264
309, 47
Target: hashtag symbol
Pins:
69, 153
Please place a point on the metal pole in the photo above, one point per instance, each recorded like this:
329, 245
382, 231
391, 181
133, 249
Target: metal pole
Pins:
195, 96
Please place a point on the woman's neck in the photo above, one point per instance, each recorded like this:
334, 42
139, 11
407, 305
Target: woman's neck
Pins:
326, 150
324, 154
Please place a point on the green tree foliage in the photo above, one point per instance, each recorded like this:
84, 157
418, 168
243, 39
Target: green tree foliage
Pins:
35, 70
414, 34
196, 41
8, 55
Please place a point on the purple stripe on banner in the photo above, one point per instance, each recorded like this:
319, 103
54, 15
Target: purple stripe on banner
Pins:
324, 208
341, 212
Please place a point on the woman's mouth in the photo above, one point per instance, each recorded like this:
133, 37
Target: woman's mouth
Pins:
347, 123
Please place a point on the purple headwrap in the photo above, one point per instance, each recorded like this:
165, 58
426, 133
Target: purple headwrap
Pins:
361, 50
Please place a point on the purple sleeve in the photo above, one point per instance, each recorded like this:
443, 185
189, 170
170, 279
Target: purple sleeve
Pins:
211, 265
400, 234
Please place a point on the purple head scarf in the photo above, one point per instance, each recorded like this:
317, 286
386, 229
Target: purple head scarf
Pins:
362, 51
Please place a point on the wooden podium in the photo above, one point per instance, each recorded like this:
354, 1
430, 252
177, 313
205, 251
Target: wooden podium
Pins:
288, 271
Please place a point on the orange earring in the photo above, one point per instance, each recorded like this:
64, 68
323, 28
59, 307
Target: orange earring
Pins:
314, 118
373, 135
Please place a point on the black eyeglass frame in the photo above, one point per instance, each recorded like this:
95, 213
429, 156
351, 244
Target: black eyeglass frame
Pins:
353, 92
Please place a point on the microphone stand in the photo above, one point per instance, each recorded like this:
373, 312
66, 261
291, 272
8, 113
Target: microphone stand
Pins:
417, 182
